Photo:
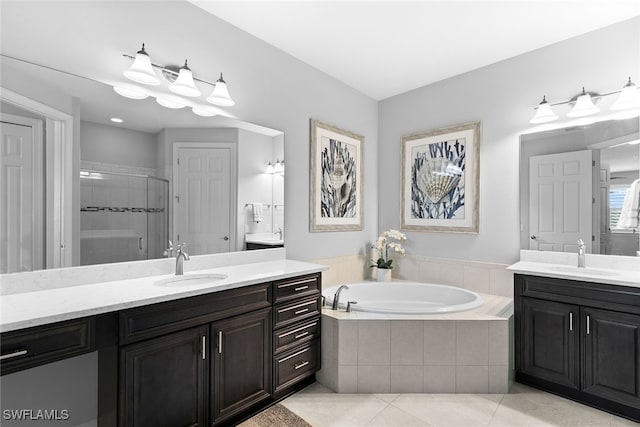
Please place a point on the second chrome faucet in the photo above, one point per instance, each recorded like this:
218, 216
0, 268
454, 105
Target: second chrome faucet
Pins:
181, 256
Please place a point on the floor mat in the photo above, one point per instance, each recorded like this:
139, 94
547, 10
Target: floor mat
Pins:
275, 416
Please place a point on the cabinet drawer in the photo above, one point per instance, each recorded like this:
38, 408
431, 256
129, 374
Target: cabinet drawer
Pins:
296, 334
158, 319
285, 314
296, 364
36, 346
297, 287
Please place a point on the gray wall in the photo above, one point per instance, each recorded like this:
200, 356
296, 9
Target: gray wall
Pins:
115, 145
502, 96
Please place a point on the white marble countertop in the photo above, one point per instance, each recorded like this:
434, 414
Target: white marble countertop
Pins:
22, 310
608, 269
264, 239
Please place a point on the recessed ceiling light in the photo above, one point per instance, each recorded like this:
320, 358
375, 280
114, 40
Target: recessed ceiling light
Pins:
116, 120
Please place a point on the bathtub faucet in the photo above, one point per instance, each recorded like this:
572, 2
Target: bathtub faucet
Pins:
336, 297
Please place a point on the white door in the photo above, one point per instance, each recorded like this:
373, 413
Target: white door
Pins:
560, 201
203, 199
21, 195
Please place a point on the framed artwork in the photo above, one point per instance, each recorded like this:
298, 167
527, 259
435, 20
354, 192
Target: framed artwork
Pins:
440, 179
337, 159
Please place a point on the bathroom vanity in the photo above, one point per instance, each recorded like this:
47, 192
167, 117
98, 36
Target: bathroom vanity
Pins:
176, 358
577, 334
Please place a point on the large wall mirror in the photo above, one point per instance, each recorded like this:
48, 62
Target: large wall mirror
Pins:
140, 176
581, 182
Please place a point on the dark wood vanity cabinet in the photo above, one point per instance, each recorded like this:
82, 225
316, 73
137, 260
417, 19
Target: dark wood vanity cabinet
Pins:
580, 340
164, 380
241, 363
207, 360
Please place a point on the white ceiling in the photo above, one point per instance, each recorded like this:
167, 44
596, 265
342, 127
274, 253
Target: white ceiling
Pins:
384, 48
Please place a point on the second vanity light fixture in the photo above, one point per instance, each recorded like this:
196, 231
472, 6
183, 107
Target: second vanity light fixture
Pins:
278, 167
628, 103
181, 82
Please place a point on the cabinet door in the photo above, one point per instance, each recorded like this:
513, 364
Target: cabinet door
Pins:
550, 341
163, 381
241, 363
612, 355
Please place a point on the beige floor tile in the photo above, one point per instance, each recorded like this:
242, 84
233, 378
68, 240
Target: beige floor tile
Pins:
451, 410
387, 397
622, 422
394, 417
331, 409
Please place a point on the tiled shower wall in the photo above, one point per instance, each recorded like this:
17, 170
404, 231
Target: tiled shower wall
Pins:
483, 277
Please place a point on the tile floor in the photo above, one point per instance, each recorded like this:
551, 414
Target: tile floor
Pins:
523, 406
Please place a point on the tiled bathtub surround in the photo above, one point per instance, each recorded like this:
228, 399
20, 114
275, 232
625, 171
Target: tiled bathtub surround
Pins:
483, 277
466, 352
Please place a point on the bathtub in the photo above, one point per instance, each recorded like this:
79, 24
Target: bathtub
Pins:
404, 298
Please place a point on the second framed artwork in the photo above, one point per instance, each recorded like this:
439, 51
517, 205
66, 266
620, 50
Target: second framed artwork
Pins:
337, 162
440, 179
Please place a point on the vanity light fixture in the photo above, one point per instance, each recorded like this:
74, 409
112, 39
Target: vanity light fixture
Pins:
278, 167
181, 81
583, 104
270, 168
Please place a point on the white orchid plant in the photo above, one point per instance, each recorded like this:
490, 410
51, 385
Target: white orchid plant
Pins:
384, 244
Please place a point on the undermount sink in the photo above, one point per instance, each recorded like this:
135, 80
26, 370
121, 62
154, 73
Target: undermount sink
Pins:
582, 270
190, 280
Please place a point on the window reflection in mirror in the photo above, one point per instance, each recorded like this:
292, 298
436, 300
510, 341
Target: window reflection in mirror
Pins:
581, 182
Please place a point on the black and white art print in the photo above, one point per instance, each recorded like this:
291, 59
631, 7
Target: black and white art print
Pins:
440, 170
336, 178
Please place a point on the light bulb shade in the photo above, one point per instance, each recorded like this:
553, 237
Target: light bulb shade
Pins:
131, 92
544, 113
629, 98
184, 84
204, 110
172, 102
220, 95
584, 107
270, 168
141, 71
279, 167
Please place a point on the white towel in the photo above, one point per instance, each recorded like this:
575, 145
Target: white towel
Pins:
630, 207
256, 212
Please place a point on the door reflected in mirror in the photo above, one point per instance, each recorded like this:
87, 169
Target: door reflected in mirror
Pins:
583, 183
150, 177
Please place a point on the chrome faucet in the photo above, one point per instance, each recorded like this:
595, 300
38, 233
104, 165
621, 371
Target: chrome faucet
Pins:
181, 256
581, 248
279, 233
336, 297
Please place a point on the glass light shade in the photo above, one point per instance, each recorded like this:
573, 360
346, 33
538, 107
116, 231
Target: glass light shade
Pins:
204, 110
220, 95
184, 84
279, 167
141, 71
169, 101
544, 113
584, 106
629, 97
131, 92
270, 168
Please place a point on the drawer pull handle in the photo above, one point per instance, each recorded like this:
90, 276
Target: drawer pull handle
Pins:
204, 347
299, 282
300, 365
304, 334
301, 288
14, 354
304, 310
220, 342
294, 355
304, 304
298, 330
588, 321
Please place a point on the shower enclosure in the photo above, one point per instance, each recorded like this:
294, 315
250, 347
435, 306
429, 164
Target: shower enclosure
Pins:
123, 217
